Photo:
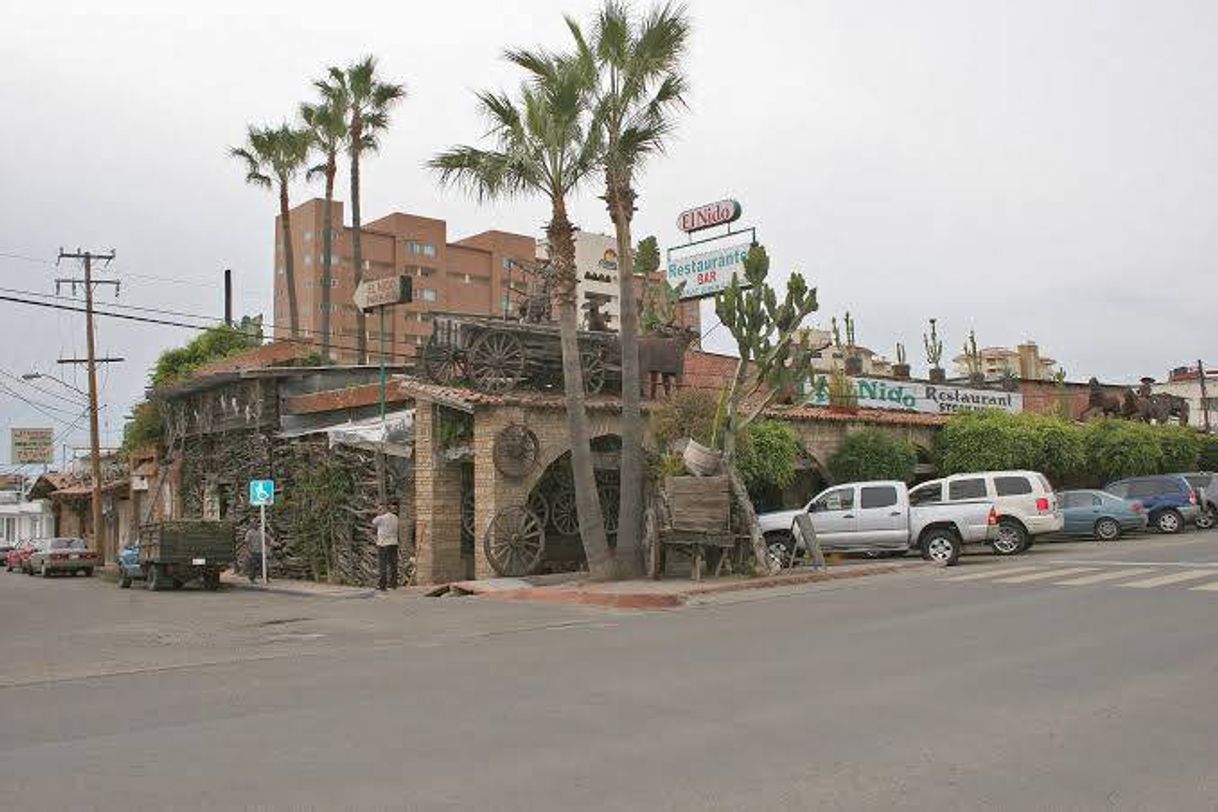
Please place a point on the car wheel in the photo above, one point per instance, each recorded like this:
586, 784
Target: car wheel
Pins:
124, 582
87, 572
1012, 538
1207, 518
941, 547
1107, 530
780, 549
1169, 522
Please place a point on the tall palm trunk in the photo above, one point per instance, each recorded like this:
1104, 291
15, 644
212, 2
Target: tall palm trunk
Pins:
327, 245
620, 198
289, 264
587, 501
357, 132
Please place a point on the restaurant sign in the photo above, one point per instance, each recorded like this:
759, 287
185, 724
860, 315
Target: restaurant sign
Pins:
917, 396
719, 213
707, 272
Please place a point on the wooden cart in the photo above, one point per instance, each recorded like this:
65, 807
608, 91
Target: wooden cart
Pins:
693, 516
496, 354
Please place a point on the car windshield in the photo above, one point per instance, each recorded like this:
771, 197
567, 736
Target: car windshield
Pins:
67, 544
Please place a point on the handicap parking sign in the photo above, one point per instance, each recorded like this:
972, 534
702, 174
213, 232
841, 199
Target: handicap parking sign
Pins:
262, 492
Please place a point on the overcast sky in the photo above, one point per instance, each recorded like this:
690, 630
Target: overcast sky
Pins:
1031, 169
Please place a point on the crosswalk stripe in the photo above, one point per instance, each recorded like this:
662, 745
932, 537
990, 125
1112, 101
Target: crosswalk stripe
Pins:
975, 576
1205, 587
1044, 576
1086, 580
1173, 578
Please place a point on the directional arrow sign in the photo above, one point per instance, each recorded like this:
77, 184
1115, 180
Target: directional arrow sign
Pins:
374, 293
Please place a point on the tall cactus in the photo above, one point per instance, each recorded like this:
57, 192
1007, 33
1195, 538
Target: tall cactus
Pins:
934, 345
900, 353
849, 331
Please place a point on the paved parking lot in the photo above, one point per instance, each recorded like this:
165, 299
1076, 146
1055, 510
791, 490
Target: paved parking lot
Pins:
1030, 682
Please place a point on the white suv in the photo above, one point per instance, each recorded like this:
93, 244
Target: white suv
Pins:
1024, 500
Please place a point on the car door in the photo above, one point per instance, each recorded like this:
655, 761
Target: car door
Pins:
834, 517
882, 524
1076, 508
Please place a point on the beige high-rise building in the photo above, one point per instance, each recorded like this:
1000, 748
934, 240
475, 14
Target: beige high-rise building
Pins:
467, 276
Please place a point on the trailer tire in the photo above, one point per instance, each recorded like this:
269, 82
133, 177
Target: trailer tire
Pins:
211, 580
941, 546
124, 582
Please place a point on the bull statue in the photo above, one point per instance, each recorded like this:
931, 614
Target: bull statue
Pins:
662, 356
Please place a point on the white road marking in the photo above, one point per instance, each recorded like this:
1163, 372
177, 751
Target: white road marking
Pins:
1205, 587
1044, 576
1115, 575
974, 576
1173, 578
1135, 563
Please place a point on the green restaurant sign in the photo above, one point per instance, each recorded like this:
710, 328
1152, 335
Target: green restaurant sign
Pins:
917, 396
707, 272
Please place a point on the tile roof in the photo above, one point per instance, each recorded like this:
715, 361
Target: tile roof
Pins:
460, 397
877, 416
264, 355
349, 397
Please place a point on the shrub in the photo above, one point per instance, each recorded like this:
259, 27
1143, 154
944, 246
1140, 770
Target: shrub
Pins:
1120, 448
1180, 446
689, 413
1208, 458
766, 455
873, 454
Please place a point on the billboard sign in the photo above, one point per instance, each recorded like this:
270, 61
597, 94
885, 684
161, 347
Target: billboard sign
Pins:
918, 396
707, 272
719, 213
32, 447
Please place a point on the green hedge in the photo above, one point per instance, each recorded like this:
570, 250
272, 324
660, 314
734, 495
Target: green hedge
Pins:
873, 454
1068, 453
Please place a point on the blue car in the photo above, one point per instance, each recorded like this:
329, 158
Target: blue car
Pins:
1170, 502
1100, 514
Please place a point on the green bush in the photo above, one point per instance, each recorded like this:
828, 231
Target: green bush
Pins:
210, 345
766, 455
1120, 448
689, 413
1180, 446
1209, 454
873, 454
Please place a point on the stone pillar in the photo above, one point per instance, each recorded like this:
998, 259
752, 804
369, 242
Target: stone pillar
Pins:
437, 488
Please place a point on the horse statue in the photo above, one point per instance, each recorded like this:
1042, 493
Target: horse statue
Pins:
1102, 402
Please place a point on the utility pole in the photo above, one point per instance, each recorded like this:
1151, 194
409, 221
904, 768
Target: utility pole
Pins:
228, 297
1205, 401
87, 257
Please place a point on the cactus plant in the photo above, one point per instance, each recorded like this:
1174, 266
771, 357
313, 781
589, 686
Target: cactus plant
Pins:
934, 345
837, 334
972, 356
849, 330
900, 353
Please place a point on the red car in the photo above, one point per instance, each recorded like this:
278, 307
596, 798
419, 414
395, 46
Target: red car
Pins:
16, 558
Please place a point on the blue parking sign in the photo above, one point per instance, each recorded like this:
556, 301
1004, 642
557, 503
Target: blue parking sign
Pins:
262, 492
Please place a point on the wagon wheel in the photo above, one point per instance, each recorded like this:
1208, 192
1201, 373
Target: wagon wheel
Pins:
496, 361
515, 542
611, 499
592, 359
442, 362
516, 450
562, 512
539, 504
467, 513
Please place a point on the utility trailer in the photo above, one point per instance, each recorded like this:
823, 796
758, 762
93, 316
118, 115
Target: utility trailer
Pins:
173, 553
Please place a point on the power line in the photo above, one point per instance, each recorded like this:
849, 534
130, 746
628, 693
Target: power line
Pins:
40, 407
49, 393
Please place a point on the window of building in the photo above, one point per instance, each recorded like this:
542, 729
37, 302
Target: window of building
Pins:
1211, 404
467, 279
427, 294
422, 249
507, 263
418, 340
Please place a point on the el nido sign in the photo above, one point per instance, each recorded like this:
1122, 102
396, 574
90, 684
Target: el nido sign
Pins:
929, 398
719, 213
707, 272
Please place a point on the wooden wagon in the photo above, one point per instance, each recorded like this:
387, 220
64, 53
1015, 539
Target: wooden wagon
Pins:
496, 354
693, 516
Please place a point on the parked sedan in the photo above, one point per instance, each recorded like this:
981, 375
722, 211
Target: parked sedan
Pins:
62, 555
1101, 514
16, 557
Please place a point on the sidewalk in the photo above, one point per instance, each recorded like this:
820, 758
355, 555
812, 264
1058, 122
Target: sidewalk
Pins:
307, 589
666, 594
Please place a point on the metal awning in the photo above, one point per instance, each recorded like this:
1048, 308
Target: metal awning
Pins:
395, 436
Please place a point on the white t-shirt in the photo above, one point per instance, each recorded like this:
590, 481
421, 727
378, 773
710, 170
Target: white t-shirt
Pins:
386, 529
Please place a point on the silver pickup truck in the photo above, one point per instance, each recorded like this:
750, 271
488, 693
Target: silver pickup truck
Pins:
876, 518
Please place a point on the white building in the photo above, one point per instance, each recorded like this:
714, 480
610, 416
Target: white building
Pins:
596, 268
21, 519
1185, 382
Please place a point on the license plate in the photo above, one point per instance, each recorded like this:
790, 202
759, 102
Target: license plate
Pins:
198, 562
74, 556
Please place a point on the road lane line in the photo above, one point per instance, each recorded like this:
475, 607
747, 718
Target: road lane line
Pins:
1087, 580
1044, 576
1173, 578
974, 576
1205, 587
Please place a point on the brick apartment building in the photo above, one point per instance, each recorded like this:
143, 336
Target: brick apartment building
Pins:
470, 275
466, 276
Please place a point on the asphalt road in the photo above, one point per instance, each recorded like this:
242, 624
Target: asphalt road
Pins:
1077, 676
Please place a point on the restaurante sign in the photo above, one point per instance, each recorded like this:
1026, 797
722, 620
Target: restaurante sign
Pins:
707, 272
929, 398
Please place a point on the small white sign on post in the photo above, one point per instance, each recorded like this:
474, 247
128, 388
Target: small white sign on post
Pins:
707, 272
391, 290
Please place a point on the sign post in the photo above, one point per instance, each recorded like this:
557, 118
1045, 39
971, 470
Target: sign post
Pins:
262, 493
379, 294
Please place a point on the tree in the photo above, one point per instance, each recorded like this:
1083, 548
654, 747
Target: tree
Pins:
543, 146
366, 99
766, 456
210, 345
272, 157
632, 68
327, 124
647, 257
873, 454
775, 355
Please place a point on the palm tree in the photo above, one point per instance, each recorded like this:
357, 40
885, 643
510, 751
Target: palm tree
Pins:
366, 100
327, 123
634, 69
273, 156
544, 146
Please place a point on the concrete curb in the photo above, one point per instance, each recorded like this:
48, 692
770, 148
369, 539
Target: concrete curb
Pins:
671, 600
300, 592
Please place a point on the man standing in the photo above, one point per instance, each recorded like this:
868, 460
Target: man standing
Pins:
253, 553
386, 524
